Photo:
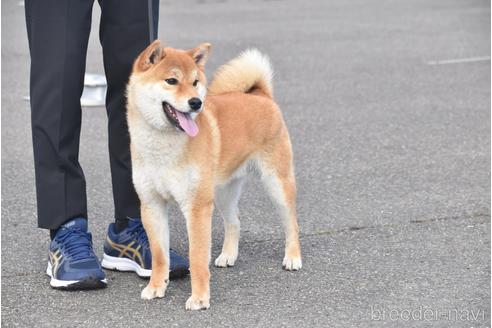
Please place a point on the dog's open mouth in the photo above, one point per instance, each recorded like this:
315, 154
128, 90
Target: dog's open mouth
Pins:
182, 121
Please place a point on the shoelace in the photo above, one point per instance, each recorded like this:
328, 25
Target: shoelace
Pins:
139, 232
76, 243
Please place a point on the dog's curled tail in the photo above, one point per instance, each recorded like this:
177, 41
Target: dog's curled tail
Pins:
250, 72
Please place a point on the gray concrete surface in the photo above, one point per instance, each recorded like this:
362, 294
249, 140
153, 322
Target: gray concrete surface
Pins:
392, 161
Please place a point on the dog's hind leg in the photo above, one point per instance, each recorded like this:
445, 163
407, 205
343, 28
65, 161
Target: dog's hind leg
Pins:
226, 201
277, 174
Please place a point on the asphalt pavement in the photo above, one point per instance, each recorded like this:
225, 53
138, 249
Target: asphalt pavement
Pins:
388, 107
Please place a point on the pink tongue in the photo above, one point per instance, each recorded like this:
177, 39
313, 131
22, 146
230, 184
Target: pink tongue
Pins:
188, 125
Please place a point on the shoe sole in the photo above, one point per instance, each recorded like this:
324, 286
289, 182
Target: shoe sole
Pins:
127, 265
84, 284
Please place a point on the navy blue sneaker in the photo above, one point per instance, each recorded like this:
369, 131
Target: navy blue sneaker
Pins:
72, 263
129, 250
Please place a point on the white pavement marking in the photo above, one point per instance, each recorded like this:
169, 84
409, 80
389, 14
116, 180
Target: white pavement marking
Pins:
459, 60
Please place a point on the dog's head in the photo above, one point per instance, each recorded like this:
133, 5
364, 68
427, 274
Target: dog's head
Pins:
168, 86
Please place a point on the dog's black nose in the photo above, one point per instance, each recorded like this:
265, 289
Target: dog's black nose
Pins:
195, 103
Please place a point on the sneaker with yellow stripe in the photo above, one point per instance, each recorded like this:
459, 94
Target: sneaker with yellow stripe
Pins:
72, 263
129, 250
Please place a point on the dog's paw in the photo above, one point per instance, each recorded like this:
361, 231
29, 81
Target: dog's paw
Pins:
149, 292
196, 303
225, 260
292, 264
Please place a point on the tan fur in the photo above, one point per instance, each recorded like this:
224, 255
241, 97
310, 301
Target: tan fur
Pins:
160, 262
243, 75
240, 123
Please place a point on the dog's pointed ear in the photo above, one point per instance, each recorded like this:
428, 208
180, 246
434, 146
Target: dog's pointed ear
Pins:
200, 54
152, 55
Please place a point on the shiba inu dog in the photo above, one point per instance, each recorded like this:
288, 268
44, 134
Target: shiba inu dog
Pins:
195, 145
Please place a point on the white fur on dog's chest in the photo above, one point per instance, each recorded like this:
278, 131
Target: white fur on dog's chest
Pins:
172, 182
159, 169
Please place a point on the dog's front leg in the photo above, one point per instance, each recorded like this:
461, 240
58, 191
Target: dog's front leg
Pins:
155, 221
199, 225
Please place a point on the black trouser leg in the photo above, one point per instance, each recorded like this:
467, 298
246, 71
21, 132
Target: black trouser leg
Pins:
124, 33
58, 33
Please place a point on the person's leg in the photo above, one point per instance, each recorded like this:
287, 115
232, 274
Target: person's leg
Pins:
58, 33
124, 33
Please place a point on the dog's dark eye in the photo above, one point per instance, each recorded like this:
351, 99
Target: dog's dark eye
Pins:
171, 81
195, 83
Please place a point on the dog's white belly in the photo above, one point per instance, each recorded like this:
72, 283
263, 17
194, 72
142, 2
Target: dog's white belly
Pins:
249, 167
